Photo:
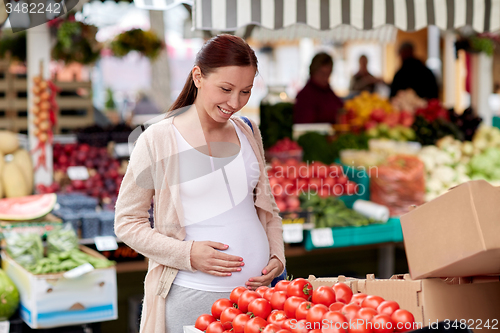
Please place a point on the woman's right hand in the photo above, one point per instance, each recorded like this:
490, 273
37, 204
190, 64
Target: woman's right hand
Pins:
206, 256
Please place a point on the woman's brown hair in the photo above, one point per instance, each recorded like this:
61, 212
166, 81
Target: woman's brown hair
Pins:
220, 51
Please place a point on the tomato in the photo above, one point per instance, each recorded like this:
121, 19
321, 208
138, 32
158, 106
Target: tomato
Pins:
227, 317
215, 327
300, 326
278, 300
277, 317
281, 285
255, 325
358, 298
323, 295
260, 308
382, 323
350, 310
246, 298
342, 292
360, 326
315, 331
388, 307
372, 301
268, 293
239, 323
271, 328
203, 321
291, 305
299, 287
366, 314
337, 306
334, 322
283, 331
261, 290
316, 313
219, 306
403, 320
287, 324
303, 309
236, 293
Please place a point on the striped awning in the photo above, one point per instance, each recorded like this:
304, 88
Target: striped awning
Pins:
407, 15
160, 4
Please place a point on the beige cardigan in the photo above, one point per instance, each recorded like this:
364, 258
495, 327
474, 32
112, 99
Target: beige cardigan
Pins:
152, 174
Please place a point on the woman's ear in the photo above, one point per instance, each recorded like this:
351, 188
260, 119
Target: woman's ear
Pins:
196, 74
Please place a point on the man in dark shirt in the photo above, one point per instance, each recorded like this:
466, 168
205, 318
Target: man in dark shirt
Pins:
316, 102
414, 74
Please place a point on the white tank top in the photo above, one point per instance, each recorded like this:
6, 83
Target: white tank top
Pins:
217, 199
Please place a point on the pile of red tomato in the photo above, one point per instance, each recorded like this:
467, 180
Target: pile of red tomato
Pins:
293, 307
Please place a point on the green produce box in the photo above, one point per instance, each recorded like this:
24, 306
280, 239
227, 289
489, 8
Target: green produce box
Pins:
398, 232
376, 233
342, 237
360, 177
496, 122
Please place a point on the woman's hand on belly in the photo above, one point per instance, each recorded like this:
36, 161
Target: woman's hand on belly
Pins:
272, 270
206, 258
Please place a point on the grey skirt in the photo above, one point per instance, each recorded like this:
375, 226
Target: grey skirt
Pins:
185, 305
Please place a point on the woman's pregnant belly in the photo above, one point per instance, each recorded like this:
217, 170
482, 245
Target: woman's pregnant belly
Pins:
239, 228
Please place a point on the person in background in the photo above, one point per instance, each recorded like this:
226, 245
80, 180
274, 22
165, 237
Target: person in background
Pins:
414, 74
363, 80
316, 102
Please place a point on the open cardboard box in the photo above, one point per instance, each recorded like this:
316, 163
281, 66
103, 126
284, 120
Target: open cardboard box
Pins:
456, 234
52, 300
475, 300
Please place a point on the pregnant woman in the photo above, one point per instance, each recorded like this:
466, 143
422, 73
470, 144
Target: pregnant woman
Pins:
216, 222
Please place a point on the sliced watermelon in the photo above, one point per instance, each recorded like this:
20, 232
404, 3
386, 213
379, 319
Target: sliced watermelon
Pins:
27, 208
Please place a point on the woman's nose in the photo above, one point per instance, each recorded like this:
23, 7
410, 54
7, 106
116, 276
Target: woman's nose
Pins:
234, 102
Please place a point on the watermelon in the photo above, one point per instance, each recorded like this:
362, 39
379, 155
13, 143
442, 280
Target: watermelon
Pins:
27, 208
9, 297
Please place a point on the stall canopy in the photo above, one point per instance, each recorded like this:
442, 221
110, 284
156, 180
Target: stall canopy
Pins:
407, 15
160, 4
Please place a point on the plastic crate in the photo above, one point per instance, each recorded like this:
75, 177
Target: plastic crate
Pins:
107, 221
77, 201
374, 234
90, 224
397, 231
496, 122
342, 237
361, 178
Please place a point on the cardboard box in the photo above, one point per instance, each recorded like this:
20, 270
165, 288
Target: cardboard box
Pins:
53, 300
475, 300
456, 234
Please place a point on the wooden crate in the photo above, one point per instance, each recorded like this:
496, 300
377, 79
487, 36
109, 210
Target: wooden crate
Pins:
13, 100
76, 109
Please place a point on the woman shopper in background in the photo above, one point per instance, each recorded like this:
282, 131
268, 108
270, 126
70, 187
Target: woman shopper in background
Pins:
216, 222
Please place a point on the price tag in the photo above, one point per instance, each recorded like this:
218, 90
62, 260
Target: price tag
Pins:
79, 271
105, 243
322, 237
123, 149
4, 326
78, 173
293, 233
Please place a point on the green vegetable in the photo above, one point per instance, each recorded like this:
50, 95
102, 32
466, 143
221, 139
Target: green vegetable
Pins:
276, 122
67, 260
62, 239
25, 248
331, 212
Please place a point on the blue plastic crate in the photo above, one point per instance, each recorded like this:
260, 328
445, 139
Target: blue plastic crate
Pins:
107, 220
77, 201
360, 177
91, 224
496, 122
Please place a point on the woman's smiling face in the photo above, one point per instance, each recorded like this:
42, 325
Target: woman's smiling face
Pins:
224, 91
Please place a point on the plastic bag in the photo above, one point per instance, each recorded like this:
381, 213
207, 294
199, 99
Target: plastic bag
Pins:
25, 248
400, 183
62, 239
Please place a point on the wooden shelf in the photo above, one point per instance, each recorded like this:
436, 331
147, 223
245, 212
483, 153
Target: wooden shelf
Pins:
131, 266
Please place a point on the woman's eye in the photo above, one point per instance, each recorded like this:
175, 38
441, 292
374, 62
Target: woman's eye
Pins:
246, 92
226, 90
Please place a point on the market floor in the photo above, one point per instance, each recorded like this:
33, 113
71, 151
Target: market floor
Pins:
352, 262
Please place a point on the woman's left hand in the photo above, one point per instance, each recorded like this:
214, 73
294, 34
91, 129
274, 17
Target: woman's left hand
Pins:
272, 270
